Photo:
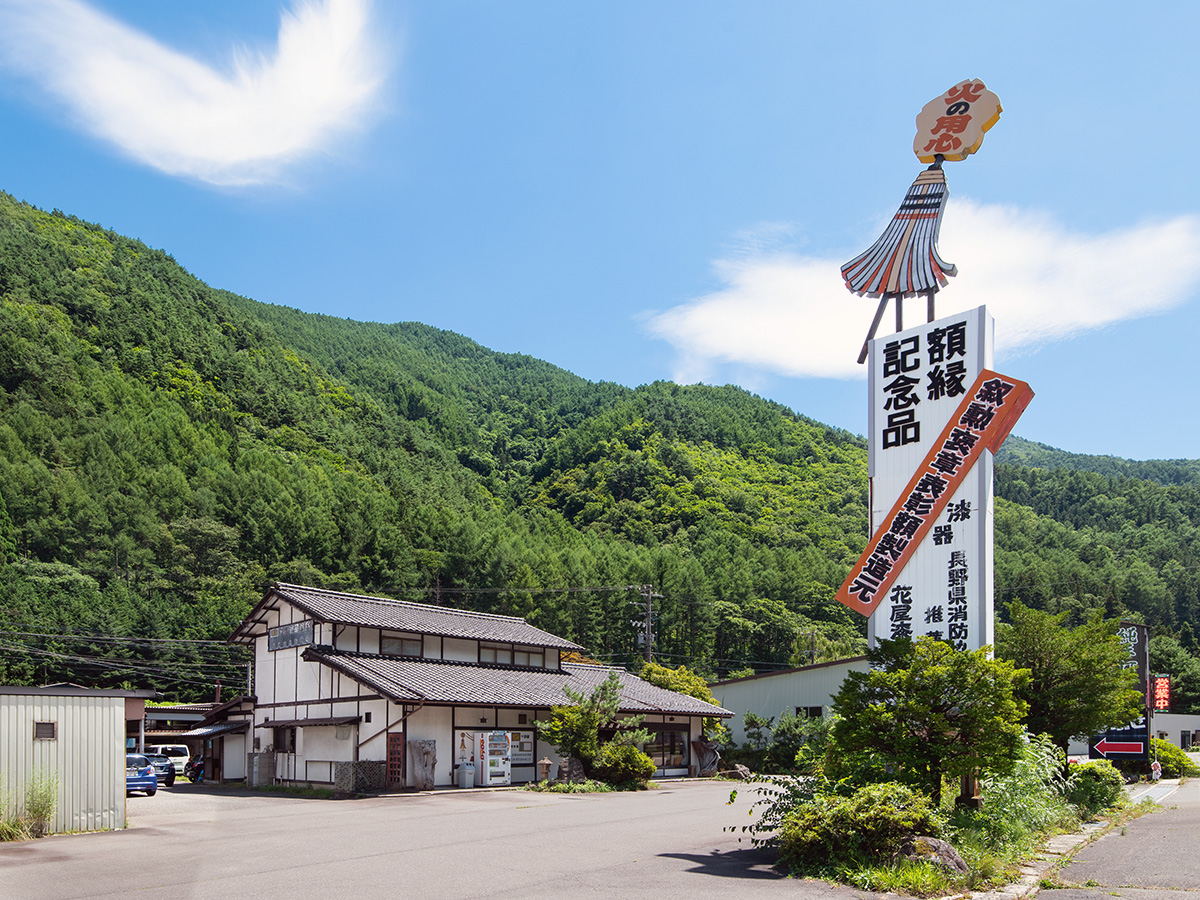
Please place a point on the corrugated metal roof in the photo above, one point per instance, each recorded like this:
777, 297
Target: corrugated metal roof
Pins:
310, 723
400, 615
207, 731
442, 682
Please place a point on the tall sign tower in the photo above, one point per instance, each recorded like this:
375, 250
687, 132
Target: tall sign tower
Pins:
937, 412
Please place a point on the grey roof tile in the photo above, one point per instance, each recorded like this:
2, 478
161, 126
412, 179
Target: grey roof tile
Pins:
439, 682
400, 615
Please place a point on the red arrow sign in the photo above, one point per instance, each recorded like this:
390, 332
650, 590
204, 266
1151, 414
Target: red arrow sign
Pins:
1106, 746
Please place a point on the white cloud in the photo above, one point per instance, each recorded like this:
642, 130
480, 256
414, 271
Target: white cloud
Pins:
170, 111
792, 315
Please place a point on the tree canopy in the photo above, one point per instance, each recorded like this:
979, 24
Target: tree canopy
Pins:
932, 711
1078, 683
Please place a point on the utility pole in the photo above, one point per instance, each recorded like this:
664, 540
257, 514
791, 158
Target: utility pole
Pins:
648, 597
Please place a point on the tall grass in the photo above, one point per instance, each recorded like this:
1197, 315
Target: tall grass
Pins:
1021, 808
41, 801
31, 819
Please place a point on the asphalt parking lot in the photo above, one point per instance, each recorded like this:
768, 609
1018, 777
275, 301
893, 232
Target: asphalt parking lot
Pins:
199, 842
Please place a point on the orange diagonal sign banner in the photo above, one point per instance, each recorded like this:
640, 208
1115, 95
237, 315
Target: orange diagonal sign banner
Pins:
982, 421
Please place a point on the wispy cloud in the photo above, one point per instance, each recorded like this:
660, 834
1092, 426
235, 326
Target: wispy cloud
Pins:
791, 315
239, 125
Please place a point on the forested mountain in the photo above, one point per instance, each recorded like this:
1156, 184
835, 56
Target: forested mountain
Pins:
167, 449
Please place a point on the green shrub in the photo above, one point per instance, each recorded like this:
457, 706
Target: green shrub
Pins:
569, 787
865, 828
41, 800
1175, 763
795, 735
1094, 787
1020, 806
618, 763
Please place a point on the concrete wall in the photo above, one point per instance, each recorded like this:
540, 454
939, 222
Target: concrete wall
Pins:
779, 692
86, 758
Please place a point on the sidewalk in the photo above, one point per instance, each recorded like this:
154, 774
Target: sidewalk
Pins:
1061, 848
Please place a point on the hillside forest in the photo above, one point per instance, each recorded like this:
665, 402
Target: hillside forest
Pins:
167, 449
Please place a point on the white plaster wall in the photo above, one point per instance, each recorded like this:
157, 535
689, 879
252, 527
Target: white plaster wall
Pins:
368, 640
771, 695
323, 743
373, 731
433, 723
234, 753
460, 650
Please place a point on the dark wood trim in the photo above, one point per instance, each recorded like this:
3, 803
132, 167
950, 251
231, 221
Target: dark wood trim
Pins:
347, 699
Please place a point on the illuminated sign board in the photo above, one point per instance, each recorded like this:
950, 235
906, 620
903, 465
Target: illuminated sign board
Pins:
1160, 693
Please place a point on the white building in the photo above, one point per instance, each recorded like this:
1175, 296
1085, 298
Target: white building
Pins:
76, 736
808, 690
342, 680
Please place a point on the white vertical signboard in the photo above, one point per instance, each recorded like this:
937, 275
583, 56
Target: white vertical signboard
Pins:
917, 379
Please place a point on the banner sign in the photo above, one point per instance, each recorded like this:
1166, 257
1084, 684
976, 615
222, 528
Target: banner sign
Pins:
984, 418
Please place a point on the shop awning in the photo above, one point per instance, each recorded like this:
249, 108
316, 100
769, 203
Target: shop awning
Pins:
309, 723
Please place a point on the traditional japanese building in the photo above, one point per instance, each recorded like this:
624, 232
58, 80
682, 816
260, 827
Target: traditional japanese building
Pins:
344, 683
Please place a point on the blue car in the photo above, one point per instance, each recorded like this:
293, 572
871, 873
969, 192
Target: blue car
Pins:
139, 775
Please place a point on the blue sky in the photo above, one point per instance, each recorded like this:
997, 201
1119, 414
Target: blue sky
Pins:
642, 191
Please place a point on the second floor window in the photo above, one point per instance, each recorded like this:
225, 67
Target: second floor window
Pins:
399, 646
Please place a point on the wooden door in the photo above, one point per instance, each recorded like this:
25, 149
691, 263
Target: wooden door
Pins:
395, 762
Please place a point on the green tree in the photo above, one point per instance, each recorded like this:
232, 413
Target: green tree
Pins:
1078, 685
757, 728
683, 680
932, 711
574, 728
1168, 657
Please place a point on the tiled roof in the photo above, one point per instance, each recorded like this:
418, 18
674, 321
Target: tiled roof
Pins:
400, 615
438, 681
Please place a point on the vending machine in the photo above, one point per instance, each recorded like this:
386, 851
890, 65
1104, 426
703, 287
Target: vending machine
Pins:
493, 758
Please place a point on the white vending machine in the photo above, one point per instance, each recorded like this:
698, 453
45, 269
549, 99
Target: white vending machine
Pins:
493, 758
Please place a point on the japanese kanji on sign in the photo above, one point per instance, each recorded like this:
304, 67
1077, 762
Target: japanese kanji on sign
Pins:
937, 413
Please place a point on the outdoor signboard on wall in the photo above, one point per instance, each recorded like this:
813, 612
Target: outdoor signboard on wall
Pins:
917, 380
297, 634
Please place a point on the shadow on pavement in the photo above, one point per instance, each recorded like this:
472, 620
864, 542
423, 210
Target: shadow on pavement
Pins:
747, 863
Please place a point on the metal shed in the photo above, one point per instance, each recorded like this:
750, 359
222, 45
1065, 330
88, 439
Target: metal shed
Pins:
77, 736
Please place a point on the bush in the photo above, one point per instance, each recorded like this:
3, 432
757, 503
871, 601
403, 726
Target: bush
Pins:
866, 827
794, 735
41, 800
1094, 787
1175, 763
618, 763
1020, 806
569, 787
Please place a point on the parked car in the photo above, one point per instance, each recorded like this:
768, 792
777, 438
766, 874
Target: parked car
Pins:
163, 768
139, 775
194, 770
177, 753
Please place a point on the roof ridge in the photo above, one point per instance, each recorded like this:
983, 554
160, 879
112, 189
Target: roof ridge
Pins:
388, 601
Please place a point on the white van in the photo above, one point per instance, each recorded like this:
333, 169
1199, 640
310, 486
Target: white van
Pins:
178, 754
